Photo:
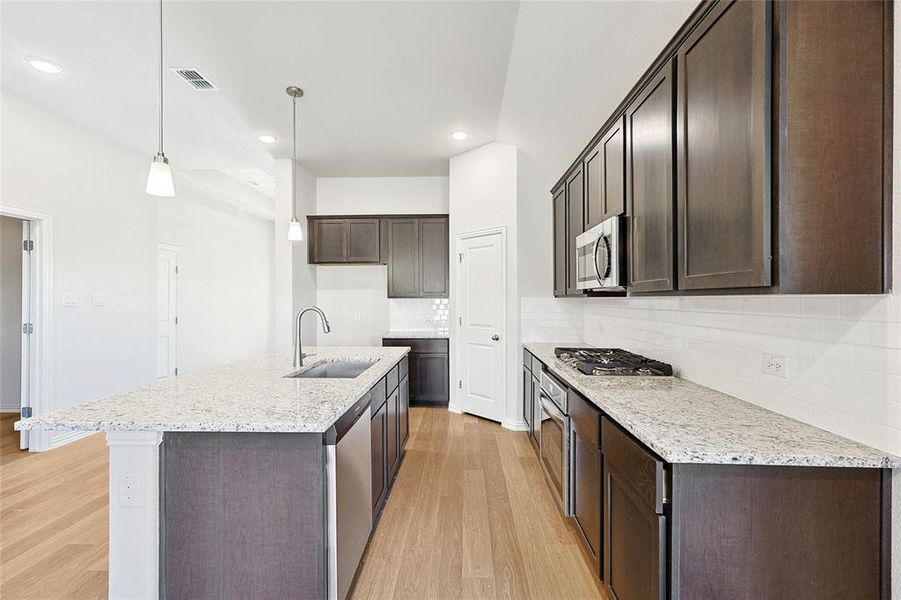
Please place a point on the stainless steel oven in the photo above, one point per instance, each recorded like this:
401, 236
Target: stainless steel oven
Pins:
599, 257
553, 442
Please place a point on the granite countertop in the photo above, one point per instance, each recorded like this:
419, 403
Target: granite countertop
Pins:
251, 395
684, 422
417, 334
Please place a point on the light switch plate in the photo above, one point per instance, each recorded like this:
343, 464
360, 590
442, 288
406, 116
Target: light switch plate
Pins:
70, 300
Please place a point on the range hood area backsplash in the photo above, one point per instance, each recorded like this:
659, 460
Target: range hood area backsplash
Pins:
842, 354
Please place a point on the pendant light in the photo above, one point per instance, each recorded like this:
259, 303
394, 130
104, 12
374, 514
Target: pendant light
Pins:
295, 231
159, 179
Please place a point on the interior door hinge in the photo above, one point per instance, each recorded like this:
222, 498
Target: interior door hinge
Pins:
28, 245
460, 254
176, 320
460, 384
27, 328
460, 321
176, 370
176, 269
26, 412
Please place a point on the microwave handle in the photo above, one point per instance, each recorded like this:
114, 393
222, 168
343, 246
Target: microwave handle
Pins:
602, 239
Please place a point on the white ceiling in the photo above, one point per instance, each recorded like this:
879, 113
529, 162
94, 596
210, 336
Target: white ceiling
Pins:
386, 82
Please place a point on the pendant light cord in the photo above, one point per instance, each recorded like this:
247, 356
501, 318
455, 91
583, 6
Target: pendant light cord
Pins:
294, 159
161, 76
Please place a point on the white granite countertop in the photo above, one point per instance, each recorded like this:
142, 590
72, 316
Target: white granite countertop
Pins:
417, 334
684, 422
251, 395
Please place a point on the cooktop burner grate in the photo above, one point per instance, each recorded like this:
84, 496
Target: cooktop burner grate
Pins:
611, 361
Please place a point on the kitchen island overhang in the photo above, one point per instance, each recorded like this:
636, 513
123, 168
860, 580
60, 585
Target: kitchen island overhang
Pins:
209, 497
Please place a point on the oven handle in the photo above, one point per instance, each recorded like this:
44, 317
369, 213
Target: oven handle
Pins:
548, 406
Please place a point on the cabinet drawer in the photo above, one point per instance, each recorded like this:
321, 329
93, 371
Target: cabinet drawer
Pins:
419, 345
642, 469
585, 418
391, 378
404, 368
379, 395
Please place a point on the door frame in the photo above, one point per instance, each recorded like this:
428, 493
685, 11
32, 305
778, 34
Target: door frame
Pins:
455, 404
38, 385
169, 247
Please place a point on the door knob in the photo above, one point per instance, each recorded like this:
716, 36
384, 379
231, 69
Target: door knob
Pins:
495, 337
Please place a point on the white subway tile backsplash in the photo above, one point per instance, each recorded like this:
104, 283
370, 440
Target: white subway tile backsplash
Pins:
842, 353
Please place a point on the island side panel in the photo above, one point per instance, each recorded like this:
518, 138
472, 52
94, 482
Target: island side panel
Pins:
748, 532
242, 515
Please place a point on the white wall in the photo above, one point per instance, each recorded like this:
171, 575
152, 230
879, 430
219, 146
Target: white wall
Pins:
348, 292
483, 194
10, 314
104, 240
381, 195
224, 281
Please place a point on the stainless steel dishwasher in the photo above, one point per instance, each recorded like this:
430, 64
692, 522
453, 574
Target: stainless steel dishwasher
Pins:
349, 495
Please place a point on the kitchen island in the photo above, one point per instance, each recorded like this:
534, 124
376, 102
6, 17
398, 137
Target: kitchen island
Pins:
244, 480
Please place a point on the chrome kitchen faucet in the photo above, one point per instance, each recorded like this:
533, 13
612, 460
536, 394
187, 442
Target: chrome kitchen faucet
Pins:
298, 349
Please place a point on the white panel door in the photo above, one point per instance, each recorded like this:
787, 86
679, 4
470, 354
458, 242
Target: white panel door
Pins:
482, 318
166, 312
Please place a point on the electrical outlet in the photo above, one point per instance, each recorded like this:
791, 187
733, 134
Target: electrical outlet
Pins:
774, 364
70, 300
98, 298
358, 316
129, 489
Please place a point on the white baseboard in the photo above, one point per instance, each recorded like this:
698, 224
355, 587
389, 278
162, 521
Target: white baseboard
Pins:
515, 425
66, 437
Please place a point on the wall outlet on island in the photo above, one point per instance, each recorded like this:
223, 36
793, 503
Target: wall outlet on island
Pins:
129, 490
773, 364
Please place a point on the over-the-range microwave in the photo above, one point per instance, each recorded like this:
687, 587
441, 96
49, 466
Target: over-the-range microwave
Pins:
599, 257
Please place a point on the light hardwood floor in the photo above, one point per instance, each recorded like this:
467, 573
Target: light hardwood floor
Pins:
469, 517
53, 518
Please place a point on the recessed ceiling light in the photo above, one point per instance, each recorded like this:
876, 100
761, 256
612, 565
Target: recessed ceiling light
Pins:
44, 66
459, 135
267, 139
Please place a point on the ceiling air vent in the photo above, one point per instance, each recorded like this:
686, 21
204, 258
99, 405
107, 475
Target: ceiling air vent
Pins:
195, 79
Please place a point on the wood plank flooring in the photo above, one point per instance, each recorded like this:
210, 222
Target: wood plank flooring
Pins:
469, 517
53, 518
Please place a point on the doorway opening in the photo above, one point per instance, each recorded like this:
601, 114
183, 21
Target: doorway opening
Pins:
25, 319
166, 311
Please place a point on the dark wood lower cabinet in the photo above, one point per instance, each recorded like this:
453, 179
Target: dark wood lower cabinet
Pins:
379, 437
429, 369
404, 411
392, 457
586, 476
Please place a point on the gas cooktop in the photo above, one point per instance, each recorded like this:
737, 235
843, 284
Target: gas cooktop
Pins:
611, 361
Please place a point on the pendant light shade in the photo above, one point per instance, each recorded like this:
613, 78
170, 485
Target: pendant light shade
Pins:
159, 179
295, 233
295, 230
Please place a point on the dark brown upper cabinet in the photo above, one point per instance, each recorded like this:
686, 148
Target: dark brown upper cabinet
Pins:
560, 258
649, 184
363, 240
418, 265
434, 249
723, 149
403, 258
605, 176
344, 240
575, 224
834, 91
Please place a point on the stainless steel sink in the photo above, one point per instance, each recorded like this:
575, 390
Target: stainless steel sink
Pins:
333, 369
